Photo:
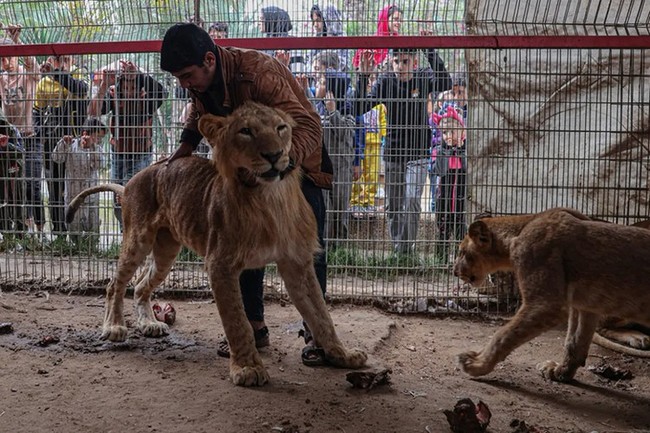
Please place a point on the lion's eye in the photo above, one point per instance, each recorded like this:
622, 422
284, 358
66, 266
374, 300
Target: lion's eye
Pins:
281, 128
246, 131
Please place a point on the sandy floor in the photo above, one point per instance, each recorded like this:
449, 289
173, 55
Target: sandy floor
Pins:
178, 384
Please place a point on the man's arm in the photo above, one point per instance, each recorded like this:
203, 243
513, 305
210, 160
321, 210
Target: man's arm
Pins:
74, 86
96, 106
155, 92
277, 88
190, 136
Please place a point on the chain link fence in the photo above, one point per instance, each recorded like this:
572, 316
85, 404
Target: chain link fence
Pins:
544, 127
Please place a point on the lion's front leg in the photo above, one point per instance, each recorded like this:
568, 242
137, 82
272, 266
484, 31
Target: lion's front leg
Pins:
528, 323
580, 332
246, 367
304, 290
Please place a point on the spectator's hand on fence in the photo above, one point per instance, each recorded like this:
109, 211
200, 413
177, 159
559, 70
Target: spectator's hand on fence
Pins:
185, 149
330, 103
128, 69
367, 62
303, 80
356, 172
13, 30
4, 140
283, 57
109, 77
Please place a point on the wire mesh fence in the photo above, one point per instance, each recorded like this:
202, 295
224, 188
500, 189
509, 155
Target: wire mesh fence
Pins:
534, 129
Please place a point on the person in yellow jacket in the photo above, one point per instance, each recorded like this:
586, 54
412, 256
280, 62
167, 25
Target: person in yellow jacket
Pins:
368, 162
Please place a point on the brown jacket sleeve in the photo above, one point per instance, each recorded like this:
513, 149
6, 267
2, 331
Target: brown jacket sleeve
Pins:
191, 132
276, 87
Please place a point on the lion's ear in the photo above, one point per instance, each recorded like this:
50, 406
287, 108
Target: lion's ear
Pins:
480, 233
210, 125
286, 118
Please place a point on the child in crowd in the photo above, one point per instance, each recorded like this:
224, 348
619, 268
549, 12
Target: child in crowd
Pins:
405, 92
368, 159
83, 159
450, 166
456, 96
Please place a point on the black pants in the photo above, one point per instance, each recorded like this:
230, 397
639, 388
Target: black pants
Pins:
12, 219
251, 281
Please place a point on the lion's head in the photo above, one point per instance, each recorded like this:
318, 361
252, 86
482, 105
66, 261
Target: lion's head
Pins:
252, 144
475, 256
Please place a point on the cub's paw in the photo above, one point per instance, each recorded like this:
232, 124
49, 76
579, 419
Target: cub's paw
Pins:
115, 333
248, 375
471, 363
639, 341
153, 328
551, 370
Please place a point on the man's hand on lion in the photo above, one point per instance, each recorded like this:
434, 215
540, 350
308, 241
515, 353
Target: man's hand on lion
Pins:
185, 149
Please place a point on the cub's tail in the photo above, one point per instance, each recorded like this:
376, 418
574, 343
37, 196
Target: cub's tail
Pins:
620, 348
79, 199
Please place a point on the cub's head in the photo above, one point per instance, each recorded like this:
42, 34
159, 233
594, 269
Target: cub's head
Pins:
252, 144
476, 256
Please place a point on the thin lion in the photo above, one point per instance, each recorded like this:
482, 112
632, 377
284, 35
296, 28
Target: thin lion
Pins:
240, 210
566, 265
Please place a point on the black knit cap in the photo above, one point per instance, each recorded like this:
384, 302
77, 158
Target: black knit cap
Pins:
184, 44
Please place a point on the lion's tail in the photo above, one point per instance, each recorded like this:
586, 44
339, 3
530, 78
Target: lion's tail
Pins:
79, 199
620, 348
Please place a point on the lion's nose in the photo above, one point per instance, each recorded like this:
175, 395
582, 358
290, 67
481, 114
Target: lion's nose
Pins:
272, 157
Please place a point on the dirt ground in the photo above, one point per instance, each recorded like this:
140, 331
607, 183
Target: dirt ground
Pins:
178, 384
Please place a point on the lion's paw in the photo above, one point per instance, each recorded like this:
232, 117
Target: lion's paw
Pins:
115, 333
338, 356
471, 364
153, 328
551, 370
639, 341
255, 375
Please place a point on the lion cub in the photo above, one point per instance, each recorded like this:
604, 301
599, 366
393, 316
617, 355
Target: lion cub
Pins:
565, 264
240, 210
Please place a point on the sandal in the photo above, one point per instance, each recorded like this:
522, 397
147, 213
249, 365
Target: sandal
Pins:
312, 355
261, 340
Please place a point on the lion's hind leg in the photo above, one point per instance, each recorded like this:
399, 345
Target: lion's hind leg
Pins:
580, 332
303, 288
163, 256
133, 252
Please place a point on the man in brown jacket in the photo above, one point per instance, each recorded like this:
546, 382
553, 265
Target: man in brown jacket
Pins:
219, 80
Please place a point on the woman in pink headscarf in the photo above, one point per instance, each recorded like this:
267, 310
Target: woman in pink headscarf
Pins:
389, 22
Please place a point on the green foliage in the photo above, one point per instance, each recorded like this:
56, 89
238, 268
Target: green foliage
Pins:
366, 264
187, 255
48, 21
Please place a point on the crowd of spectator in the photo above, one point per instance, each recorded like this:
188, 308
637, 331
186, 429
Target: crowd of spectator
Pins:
389, 124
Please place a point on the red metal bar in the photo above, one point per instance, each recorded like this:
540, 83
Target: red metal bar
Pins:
494, 42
